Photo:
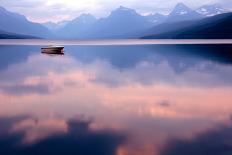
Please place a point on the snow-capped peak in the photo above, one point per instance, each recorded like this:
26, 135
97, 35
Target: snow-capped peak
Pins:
123, 10
181, 9
156, 18
211, 10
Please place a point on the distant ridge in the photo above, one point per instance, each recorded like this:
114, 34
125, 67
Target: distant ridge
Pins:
78, 27
18, 24
211, 10
54, 27
8, 35
124, 22
121, 23
216, 27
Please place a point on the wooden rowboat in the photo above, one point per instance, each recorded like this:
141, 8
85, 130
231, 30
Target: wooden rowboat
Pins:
53, 50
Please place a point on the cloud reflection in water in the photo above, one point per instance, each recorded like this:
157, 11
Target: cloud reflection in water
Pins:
152, 92
216, 141
79, 139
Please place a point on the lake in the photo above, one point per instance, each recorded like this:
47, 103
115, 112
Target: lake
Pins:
114, 98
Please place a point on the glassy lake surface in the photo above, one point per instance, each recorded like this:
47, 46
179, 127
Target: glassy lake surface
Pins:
124, 100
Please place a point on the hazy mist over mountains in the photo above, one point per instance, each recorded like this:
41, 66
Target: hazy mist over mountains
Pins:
124, 23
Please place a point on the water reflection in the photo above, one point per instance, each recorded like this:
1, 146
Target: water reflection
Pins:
14, 54
128, 56
78, 138
142, 99
213, 141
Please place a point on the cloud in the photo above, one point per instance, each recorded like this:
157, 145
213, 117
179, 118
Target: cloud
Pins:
56, 10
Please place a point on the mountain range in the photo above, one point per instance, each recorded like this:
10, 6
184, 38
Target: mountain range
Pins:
16, 23
211, 10
215, 27
54, 27
121, 23
182, 13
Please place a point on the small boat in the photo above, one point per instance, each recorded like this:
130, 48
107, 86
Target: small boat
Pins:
53, 50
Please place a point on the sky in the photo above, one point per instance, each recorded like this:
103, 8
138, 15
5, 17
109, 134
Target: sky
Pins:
59, 10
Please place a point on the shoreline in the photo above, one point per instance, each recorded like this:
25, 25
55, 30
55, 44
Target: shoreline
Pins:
112, 42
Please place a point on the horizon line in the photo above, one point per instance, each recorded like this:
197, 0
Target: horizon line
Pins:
114, 42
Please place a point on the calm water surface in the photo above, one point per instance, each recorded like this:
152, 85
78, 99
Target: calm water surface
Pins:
123, 100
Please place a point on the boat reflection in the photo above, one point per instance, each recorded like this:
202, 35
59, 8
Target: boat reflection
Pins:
53, 54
